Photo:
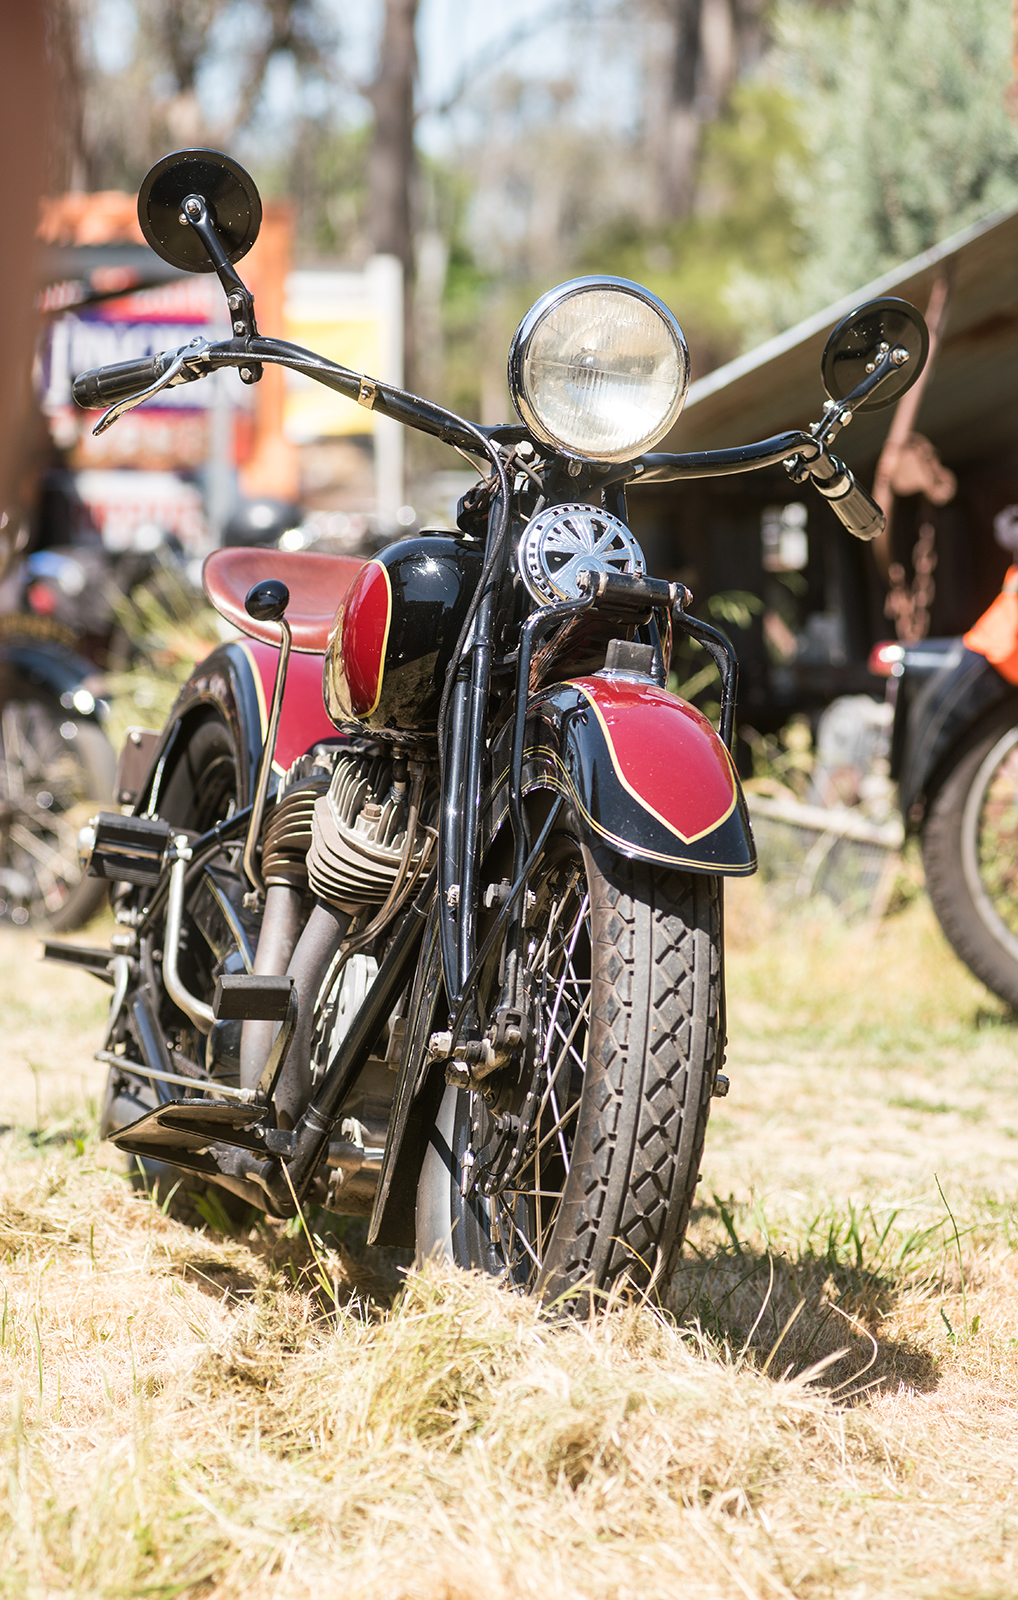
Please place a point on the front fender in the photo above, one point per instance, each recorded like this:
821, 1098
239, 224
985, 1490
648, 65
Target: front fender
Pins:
644, 772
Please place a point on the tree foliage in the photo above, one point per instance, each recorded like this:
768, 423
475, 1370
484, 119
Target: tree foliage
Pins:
902, 107
164, 73
783, 151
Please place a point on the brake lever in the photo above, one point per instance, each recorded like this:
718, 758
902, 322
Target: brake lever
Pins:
192, 351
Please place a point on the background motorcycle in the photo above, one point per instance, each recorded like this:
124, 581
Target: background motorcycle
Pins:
484, 915
56, 762
954, 756
65, 633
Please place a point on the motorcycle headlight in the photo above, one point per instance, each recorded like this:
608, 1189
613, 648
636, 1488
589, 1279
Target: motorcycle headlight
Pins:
598, 368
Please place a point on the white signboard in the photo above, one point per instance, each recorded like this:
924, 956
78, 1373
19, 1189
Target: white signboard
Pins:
356, 320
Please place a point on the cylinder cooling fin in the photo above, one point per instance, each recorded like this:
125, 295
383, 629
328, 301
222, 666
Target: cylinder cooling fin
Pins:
359, 833
339, 827
286, 837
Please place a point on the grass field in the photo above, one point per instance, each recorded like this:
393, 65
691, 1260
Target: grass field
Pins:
825, 1406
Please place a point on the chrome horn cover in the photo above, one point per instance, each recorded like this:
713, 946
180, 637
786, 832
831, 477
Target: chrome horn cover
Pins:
563, 541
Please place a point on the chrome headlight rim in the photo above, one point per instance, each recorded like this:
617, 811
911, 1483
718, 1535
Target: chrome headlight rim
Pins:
521, 344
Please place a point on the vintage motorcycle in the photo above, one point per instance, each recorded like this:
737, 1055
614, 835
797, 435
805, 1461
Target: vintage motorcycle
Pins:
56, 762
419, 903
954, 755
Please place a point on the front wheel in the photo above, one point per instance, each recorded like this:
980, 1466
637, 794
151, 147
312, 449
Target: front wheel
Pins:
584, 1167
970, 854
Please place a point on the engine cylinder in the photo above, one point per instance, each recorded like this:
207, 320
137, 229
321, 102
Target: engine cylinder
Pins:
359, 834
287, 836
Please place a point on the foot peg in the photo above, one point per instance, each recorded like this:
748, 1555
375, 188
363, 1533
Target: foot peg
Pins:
252, 997
260, 997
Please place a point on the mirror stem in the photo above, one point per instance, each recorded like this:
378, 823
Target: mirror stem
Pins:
238, 296
840, 414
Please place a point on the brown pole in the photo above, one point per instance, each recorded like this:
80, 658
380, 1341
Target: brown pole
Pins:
903, 423
392, 160
25, 112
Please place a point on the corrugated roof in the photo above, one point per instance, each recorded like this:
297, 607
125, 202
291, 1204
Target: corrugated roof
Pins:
971, 400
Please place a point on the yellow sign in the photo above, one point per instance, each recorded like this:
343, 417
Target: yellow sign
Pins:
354, 319
312, 411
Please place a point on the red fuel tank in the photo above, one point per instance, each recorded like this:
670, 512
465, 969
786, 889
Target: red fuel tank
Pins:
395, 633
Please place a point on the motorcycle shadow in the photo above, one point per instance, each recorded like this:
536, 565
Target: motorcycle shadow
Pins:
233, 1252
840, 1325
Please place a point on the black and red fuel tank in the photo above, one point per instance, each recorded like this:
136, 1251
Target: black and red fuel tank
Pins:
395, 633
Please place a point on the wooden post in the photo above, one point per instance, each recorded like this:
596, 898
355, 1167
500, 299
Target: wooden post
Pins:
1011, 92
902, 423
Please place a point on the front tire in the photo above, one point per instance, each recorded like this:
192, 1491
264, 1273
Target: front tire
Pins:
970, 854
625, 963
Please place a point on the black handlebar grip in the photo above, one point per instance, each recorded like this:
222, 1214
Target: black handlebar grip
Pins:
852, 505
104, 386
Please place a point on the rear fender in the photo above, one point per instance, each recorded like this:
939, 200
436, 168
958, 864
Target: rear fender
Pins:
940, 719
236, 681
644, 772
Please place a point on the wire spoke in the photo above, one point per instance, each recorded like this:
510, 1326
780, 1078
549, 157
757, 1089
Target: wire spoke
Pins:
523, 1215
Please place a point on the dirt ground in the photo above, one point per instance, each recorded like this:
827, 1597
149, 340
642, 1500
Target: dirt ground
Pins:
826, 1405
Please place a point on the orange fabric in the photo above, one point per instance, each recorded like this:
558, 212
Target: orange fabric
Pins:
995, 635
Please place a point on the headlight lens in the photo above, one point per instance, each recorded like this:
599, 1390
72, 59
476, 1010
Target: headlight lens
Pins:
599, 369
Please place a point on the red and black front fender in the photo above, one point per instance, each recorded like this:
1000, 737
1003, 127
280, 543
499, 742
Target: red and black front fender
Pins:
644, 772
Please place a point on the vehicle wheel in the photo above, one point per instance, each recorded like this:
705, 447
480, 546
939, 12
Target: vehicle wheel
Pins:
197, 794
55, 772
624, 965
970, 853
203, 784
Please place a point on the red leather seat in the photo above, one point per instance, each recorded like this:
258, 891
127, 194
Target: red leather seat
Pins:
316, 583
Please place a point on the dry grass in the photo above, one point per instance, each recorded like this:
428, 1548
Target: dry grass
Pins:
197, 1414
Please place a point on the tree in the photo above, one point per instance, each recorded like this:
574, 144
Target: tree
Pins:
902, 110
153, 100
704, 46
392, 162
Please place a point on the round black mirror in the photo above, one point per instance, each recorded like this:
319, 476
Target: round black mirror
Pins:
854, 347
234, 207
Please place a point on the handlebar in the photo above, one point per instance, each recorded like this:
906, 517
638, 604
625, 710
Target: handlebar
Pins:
801, 452
853, 507
112, 384
104, 386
